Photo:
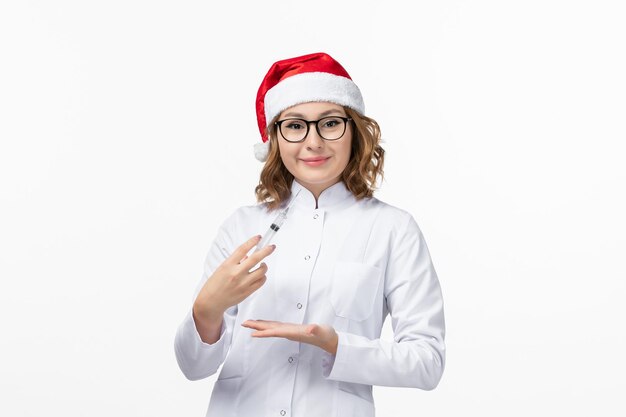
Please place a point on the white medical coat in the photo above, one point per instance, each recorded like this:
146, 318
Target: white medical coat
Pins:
347, 264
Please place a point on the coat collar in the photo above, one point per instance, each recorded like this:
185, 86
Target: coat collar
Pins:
335, 196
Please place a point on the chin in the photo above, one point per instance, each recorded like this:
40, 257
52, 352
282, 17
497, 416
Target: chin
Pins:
318, 179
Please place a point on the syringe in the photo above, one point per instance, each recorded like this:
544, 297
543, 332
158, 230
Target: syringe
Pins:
276, 224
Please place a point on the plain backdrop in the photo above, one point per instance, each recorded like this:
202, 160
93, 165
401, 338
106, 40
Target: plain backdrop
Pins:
127, 130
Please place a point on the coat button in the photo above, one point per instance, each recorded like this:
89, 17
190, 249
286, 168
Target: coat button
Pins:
306, 258
299, 306
283, 412
316, 216
290, 359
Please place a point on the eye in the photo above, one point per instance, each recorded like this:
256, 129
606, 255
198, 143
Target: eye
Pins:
294, 124
331, 122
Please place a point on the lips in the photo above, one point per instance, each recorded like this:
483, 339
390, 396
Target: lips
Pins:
315, 161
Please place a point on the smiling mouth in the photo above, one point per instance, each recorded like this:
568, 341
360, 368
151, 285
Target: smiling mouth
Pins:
315, 161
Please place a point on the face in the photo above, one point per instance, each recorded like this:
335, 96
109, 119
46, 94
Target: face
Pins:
315, 163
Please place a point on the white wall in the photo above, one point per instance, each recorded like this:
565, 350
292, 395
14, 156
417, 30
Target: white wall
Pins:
504, 130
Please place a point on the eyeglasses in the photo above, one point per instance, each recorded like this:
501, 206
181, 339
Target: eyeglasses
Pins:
329, 128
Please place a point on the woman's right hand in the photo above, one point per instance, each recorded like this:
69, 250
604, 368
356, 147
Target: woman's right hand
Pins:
232, 282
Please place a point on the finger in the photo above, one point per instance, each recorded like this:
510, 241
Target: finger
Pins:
255, 285
272, 328
257, 257
244, 258
261, 324
243, 249
265, 329
251, 286
252, 324
266, 333
256, 324
291, 333
261, 269
255, 274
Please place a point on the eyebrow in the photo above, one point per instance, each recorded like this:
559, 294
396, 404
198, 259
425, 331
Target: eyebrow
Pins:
323, 114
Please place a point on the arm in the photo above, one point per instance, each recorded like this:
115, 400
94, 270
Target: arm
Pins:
196, 358
416, 356
204, 337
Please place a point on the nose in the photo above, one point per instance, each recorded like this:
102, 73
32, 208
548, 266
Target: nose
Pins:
313, 139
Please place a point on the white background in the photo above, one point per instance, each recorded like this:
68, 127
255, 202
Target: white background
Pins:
126, 134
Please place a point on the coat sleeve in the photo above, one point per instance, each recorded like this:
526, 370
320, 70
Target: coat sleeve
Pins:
197, 359
416, 356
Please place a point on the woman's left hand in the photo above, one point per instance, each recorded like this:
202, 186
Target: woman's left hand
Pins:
319, 335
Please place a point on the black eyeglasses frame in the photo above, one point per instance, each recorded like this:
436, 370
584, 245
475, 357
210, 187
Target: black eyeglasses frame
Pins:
278, 124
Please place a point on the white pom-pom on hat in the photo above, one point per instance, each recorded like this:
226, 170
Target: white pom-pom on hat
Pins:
261, 151
303, 79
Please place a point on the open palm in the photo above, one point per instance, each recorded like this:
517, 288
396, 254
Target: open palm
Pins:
322, 336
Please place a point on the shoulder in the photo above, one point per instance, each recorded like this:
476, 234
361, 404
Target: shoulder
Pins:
247, 213
249, 210
389, 213
394, 222
242, 223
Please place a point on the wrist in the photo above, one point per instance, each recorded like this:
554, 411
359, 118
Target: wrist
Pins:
208, 325
333, 343
207, 314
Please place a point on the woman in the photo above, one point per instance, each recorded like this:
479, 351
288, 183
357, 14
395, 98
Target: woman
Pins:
299, 335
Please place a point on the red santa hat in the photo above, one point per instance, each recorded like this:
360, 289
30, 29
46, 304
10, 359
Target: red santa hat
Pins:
303, 79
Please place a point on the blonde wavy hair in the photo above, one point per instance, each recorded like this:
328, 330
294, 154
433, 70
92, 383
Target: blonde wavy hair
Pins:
360, 175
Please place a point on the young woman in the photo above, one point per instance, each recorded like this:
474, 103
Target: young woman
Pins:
299, 334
